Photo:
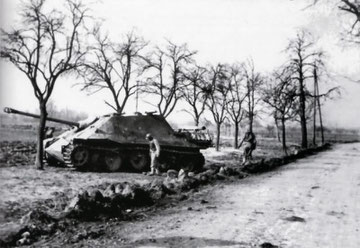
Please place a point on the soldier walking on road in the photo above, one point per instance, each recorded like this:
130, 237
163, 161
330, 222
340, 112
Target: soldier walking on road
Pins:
154, 154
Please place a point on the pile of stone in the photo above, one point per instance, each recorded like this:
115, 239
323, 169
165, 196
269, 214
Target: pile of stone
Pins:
34, 224
120, 198
113, 200
271, 163
181, 181
116, 199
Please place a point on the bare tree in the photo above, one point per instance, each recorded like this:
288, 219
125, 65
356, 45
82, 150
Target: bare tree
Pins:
192, 92
45, 46
253, 81
217, 92
301, 54
352, 8
112, 66
171, 61
280, 94
237, 95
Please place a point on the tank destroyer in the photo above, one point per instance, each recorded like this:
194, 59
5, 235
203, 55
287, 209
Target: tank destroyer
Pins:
117, 142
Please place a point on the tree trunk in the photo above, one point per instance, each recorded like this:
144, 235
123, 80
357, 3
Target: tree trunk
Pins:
283, 135
250, 122
277, 130
303, 116
39, 163
314, 117
196, 120
314, 125
236, 135
218, 126
320, 118
250, 112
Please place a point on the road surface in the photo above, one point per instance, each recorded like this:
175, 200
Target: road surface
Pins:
314, 202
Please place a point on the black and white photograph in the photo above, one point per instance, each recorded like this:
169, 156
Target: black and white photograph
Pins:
193, 123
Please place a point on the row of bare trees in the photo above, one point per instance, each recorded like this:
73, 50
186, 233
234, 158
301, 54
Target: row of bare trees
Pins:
51, 43
287, 91
169, 74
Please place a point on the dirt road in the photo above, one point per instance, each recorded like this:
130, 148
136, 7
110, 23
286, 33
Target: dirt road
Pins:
314, 202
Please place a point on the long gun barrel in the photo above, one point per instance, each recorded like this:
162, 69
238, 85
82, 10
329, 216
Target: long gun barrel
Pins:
14, 111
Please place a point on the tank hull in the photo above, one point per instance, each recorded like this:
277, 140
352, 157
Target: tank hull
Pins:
117, 143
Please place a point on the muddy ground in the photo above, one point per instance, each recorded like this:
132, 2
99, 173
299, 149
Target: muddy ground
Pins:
313, 202
23, 188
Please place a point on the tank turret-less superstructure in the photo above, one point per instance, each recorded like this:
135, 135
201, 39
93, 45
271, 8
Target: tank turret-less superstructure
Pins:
116, 142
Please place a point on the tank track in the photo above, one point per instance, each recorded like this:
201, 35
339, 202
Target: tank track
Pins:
66, 152
180, 156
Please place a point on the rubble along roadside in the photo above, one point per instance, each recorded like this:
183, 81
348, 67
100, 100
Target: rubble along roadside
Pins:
120, 199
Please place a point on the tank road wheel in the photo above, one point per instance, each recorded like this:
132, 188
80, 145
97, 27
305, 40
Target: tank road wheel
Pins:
113, 161
188, 163
139, 161
193, 162
169, 160
80, 156
200, 162
200, 159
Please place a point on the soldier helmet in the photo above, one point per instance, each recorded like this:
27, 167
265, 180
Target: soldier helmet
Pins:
149, 136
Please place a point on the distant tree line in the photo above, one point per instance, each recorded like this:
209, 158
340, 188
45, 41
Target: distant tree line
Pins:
49, 44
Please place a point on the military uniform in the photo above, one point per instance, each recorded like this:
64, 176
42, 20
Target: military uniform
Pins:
250, 145
154, 154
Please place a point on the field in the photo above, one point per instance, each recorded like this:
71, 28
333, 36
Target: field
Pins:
24, 188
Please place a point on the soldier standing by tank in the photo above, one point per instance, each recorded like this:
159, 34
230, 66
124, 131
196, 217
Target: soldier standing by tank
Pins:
250, 145
154, 154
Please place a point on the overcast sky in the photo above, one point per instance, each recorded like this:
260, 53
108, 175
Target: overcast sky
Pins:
221, 31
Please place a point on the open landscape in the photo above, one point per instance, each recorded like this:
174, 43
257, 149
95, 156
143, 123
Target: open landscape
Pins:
24, 190
156, 123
